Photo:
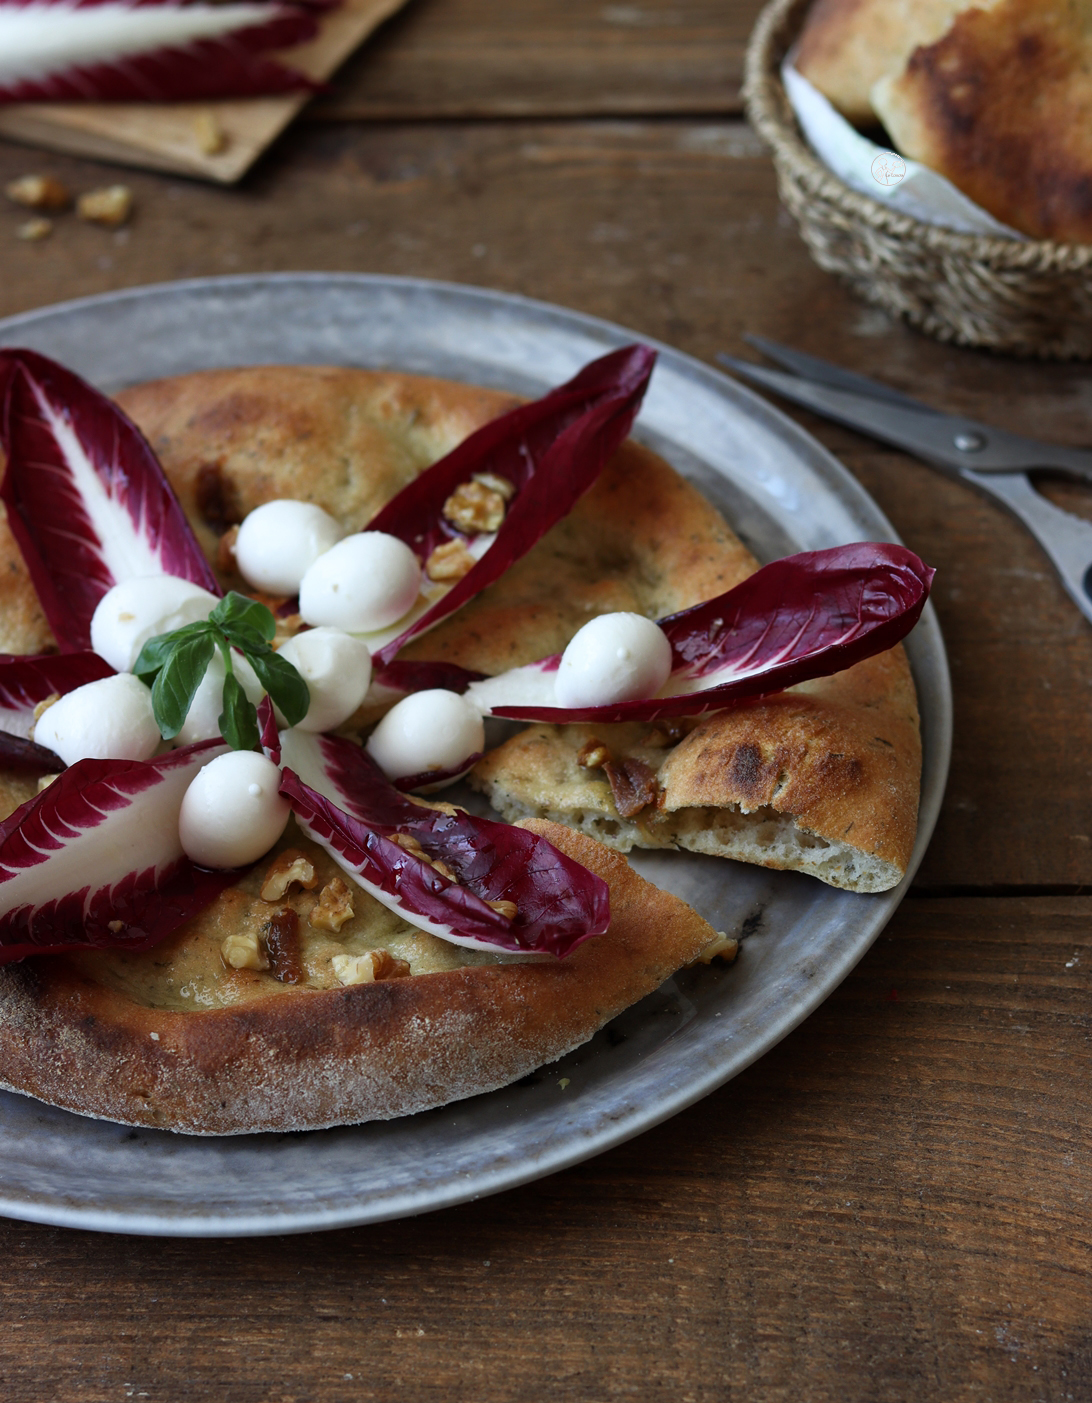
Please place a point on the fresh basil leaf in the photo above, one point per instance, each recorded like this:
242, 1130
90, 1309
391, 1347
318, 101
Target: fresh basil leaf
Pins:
178, 680
236, 609
247, 640
157, 650
239, 718
286, 687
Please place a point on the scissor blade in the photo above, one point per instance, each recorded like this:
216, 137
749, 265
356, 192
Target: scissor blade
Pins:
929, 435
824, 372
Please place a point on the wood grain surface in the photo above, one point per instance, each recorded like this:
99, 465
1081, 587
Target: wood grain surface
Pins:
893, 1205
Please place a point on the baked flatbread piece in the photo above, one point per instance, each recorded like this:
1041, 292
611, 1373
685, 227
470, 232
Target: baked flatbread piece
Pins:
1001, 104
846, 46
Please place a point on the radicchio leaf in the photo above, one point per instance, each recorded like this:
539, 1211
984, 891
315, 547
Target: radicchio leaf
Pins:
805, 616
95, 861
269, 731
87, 500
551, 451
343, 801
148, 50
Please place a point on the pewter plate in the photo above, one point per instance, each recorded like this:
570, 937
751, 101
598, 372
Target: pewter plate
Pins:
781, 490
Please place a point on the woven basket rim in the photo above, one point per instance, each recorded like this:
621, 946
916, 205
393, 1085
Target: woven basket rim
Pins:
771, 115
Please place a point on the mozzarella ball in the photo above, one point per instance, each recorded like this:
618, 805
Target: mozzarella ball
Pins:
106, 720
279, 542
142, 608
614, 658
434, 730
337, 669
203, 718
365, 582
232, 812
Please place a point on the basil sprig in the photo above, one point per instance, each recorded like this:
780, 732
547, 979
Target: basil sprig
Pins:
174, 664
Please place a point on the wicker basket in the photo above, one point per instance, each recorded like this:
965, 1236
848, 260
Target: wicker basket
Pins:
1029, 298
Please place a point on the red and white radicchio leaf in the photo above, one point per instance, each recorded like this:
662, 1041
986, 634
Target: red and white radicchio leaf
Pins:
550, 452
25, 682
87, 500
806, 616
95, 861
148, 50
343, 801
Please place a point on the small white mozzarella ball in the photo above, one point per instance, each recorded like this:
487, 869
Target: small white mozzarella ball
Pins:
365, 582
232, 812
337, 669
614, 658
142, 608
279, 542
433, 730
106, 720
203, 718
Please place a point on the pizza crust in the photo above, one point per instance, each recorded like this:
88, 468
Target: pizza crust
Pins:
312, 1060
822, 779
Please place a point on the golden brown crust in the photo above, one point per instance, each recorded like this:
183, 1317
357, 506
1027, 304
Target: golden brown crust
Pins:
1002, 106
847, 45
335, 1057
822, 779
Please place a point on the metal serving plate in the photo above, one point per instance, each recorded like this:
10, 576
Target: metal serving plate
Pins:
781, 490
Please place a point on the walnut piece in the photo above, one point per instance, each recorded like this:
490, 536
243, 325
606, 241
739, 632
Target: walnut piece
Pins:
724, 947
39, 192
243, 950
211, 137
110, 206
632, 785
335, 906
593, 755
414, 848
369, 968
508, 909
291, 866
451, 561
33, 231
44, 781
495, 483
473, 508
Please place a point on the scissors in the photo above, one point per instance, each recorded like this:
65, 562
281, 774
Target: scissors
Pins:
993, 460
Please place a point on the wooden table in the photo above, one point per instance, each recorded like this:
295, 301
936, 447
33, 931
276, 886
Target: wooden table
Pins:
894, 1203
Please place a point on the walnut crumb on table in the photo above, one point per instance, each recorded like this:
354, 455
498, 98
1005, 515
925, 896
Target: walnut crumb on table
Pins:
40, 192
111, 206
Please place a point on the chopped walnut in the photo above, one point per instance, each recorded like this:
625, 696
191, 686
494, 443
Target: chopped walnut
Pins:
115, 927
473, 508
369, 968
495, 483
211, 137
414, 848
724, 947
632, 785
39, 192
451, 561
225, 550
243, 950
45, 704
110, 206
335, 906
33, 231
45, 781
593, 756
508, 909
291, 866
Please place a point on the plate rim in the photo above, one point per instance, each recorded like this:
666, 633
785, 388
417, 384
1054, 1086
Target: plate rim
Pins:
576, 1148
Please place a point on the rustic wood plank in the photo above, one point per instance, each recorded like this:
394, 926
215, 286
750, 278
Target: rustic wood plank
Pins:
891, 1205
166, 136
488, 58
674, 229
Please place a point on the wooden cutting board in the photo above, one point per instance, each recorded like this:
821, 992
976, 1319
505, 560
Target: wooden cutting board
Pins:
175, 136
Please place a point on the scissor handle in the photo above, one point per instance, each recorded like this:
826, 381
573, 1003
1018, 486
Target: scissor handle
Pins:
1066, 539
